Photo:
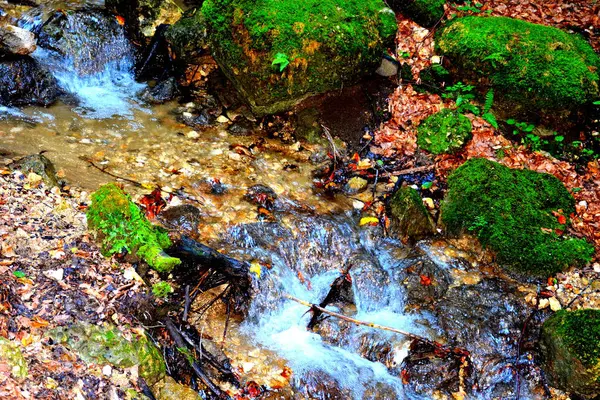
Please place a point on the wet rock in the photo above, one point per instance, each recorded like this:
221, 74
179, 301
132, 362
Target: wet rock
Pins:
163, 91
142, 17
241, 127
307, 125
286, 51
570, 344
200, 114
355, 185
169, 389
15, 40
24, 82
261, 195
424, 280
408, 216
71, 36
388, 67
188, 37
11, 355
40, 165
319, 385
101, 345
185, 217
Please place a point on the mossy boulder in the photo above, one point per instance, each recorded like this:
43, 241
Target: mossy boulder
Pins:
11, 355
424, 12
277, 52
408, 216
444, 132
570, 344
106, 345
516, 213
123, 227
142, 17
532, 66
188, 37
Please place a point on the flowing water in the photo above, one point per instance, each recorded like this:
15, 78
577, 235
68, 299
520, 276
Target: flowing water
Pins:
311, 240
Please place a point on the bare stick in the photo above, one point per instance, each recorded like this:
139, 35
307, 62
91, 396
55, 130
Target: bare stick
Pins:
186, 306
413, 170
381, 327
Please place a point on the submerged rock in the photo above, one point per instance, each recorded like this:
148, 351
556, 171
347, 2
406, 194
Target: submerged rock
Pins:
279, 53
123, 227
446, 131
533, 66
185, 217
261, 195
505, 207
15, 40
24, 82
106, 345
163, 91
408, 216
142, 17
40, 165
570, 343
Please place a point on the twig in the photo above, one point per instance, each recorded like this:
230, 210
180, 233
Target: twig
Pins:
186, 306
413, 170
458, 351
331, 142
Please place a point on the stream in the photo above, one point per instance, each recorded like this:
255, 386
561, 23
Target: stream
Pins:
304, 247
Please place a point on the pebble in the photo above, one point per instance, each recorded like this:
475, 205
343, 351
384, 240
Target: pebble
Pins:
56, 274
554, 304
192, 135
107, 370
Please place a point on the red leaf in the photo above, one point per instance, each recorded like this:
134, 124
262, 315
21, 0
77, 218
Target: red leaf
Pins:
425, 280
562, 219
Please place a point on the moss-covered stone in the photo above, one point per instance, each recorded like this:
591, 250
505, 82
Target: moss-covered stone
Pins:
532, 65
408, 216
40, 165
106, 345
424, 12
570, 344
10, 354
188, 37
122, 226
169, 389
513, 212
444, 132
277, 52
142, 17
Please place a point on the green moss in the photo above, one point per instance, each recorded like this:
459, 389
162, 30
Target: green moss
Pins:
510, 211
106, 345
328, 43
124, 227
534, 65
161, 289
10, 353
424, 12
408, 215
444, 132
580, 331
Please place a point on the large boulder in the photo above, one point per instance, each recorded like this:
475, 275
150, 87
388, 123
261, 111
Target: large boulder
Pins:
520, 214
15, 40
532, 67
570, 343
24, 82
142, 17
278, 52
188, 37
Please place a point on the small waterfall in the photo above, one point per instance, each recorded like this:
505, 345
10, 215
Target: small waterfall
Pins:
88, 53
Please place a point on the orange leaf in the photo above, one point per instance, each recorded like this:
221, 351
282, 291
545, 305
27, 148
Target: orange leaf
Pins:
425, 280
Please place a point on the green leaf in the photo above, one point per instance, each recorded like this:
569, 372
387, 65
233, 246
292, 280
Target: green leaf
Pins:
427, 185
489, 117
559, 138
529, 128
596, 103
511, 121
19, 274
282, 60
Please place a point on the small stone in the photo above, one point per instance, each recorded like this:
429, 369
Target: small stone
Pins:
355, 185
428, 201
222, 119
543, 304
554, 304
56, 274
107, 370
358, 205
192, 135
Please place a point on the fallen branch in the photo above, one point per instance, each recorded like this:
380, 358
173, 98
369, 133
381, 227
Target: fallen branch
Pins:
181, 344
413, 170
438, 346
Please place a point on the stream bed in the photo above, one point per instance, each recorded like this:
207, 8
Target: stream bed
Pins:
102, 123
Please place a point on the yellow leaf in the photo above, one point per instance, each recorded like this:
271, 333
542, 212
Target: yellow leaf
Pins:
368, 221
256, 269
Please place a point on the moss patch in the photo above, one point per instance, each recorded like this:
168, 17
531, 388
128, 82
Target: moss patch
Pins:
511, 212
444, 132
123, 227
534, 65
317, 45
571, 347
10, 353
424, 12
106, 345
